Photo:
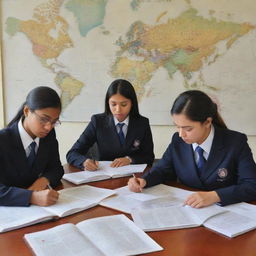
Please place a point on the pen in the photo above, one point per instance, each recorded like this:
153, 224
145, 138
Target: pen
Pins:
137, 182
49, 186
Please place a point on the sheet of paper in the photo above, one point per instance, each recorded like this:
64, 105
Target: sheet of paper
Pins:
63, 240
75, 199
116, 235
248, 210
230, 224
163, 218
17, 217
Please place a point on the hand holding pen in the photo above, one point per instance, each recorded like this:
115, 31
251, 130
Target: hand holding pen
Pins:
91, 165
136, 184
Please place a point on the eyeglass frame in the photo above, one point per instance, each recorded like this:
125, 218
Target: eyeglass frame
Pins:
46, 120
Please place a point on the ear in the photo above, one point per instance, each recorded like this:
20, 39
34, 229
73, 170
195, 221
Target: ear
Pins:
26, 110
208, 122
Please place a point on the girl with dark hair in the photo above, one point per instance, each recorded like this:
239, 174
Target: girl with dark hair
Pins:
29, 153
205, 155
121, 134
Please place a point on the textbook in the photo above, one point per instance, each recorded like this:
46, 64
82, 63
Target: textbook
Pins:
157, 196
214, 217
104, 172
114, 235
71, 200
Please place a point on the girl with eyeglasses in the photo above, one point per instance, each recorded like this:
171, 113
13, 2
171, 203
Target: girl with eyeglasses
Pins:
204, 154
29, 154
121, 134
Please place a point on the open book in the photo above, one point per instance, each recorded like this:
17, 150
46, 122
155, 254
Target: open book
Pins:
71, 200
216, 218
154, 197
110, 235
104, 172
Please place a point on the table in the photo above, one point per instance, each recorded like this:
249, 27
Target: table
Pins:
197, 241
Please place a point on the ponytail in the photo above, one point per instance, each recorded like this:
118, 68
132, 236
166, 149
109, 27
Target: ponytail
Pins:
197, 106
38, 98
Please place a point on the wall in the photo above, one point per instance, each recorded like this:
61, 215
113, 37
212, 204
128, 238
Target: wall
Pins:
68, 133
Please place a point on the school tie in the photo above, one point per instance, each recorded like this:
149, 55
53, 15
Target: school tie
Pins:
201, 160
32, 153
121, 133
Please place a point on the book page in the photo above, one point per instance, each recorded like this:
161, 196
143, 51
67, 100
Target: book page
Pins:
72, 200
202, 214
165, 218
248, 210
62, 240
121, 203
230, 224
16, 217
85, 176
116, 235
103, 172
126, 200
125, 170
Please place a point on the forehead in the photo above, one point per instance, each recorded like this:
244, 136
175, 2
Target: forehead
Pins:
118, 98
52, 113
181, 120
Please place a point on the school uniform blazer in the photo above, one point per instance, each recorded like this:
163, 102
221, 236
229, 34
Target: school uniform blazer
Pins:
230, 169
102, 131
15, 174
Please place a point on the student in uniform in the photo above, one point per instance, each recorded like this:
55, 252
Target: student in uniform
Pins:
121, 134
205, 155
29, 154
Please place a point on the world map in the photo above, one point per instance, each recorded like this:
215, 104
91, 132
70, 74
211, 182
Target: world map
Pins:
162, 47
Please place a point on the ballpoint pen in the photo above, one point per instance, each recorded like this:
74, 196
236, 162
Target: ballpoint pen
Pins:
137, 181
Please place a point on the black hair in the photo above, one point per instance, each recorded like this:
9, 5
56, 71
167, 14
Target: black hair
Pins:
38, 98
125, 88
197, 106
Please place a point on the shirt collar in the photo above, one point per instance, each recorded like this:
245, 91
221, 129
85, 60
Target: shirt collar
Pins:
25, 137
126, 121
207, 144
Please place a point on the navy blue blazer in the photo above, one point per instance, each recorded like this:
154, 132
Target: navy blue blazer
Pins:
15, 174
102, 131
230, 169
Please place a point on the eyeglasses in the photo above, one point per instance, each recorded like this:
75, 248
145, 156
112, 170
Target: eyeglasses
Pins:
45, 120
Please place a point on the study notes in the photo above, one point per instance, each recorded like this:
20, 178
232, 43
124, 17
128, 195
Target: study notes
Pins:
104, 172
156, 196
226, 221
173, 217
114, 235
71, 200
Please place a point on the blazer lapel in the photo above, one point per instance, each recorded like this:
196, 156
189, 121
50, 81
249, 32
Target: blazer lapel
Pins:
17, 146
129, 136
216, 155
112, 132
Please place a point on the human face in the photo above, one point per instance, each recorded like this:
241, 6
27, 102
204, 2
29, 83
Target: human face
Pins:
192, 131
119, 106
40, 122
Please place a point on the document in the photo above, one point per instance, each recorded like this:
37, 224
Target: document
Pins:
173, 217
239, 219
114, 235
230, 221
104, 172
153, 197
71, 200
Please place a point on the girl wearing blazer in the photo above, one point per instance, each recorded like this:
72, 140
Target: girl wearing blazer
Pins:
121, 134
29, 154
205, 155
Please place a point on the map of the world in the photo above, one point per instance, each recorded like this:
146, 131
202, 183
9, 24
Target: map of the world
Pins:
163, 47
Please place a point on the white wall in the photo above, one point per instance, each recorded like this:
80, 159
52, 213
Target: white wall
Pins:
68, 133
